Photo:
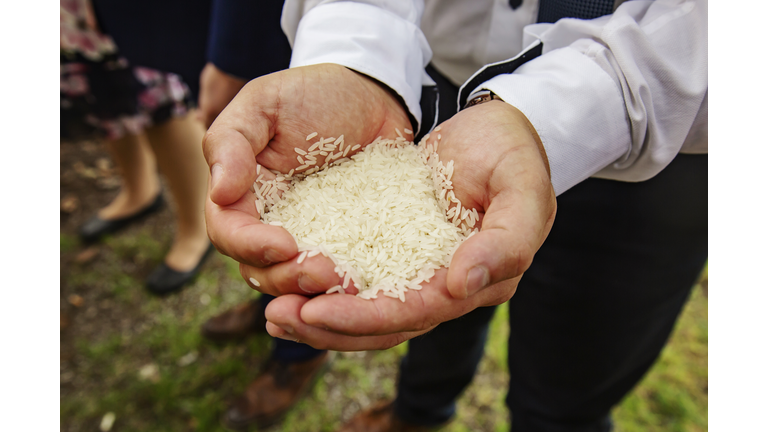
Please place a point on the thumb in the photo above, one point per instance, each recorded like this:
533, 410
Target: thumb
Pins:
513, 228
231, 155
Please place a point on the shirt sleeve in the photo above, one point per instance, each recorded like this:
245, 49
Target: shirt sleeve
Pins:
381, 39
616, 97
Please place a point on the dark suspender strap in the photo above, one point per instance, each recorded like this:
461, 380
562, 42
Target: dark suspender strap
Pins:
552, 10
549, 12
492, 70
430, 100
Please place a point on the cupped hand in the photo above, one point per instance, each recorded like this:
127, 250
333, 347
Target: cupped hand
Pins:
500, 169
262, 125
217, 89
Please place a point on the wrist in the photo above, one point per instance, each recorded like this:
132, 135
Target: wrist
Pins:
393, 96
524, 120
483, 96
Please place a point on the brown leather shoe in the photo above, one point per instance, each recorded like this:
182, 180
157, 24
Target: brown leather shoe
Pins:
274, 392
236, 323
380, 417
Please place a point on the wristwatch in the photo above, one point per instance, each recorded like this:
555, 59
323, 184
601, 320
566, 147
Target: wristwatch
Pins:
481, 97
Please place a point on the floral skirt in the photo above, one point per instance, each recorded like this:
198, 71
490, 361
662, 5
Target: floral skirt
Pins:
102, 96
109, 99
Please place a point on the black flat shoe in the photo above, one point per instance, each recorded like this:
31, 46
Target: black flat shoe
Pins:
165, 280
96, 227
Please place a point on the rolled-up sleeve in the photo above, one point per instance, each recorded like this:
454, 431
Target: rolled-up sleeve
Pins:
381, 39
619, 96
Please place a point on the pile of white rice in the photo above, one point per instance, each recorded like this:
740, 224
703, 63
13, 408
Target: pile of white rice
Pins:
386, 216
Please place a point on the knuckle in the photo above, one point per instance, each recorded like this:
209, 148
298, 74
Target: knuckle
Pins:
519, 262
217, 243
318, 344
392, 341
207, 141
424, 324
525, 261
505, 297
501, 293
244, 271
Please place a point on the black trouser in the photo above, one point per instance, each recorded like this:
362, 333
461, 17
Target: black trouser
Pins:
591, 314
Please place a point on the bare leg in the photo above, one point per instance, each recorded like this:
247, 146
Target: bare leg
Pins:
177, 145
137, 166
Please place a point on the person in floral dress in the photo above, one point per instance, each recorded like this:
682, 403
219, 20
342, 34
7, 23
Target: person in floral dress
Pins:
144, 117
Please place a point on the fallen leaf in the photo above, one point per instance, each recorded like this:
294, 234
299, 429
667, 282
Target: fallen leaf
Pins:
205, 299
84, 171
107, 421
87, 255
66, 377
89, 146
149, 372
188, 359
104, 164
109, 183
75, 300
70, 203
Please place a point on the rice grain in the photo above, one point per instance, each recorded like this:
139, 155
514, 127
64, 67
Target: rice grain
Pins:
386, 216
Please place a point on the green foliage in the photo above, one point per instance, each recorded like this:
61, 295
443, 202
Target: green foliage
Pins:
139, 248
673, 396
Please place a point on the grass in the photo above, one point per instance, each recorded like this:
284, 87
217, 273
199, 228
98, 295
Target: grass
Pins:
673, 396
143, 359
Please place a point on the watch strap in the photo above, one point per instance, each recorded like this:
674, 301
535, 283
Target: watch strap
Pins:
481, 96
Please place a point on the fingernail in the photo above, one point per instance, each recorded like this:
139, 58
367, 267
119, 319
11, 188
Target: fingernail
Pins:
308, 285
288, 329
272, 255
216, 171
477, 278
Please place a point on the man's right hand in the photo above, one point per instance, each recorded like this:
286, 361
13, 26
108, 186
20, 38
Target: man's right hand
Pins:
262, 125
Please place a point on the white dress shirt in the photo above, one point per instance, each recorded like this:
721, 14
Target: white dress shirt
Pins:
615, 97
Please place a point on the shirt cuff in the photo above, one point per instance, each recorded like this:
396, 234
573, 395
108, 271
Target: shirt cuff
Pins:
576, 109
369, 40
